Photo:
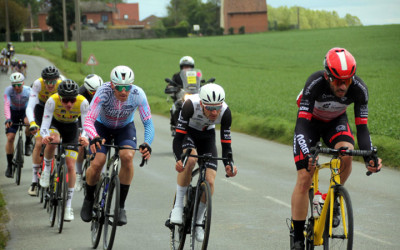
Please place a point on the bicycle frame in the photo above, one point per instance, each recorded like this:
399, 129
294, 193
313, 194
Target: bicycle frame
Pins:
319, 223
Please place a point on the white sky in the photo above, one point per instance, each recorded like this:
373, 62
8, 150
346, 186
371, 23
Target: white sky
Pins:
370, 12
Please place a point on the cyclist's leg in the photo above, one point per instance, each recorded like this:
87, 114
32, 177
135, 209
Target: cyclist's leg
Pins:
78, 169
9, 151
28, 139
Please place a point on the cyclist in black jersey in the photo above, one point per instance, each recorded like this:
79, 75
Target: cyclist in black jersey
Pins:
196, 130
322, 114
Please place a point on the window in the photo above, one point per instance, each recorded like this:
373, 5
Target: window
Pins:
104, 18
126, 16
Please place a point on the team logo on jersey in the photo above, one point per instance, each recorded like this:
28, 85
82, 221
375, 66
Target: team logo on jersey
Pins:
341, 128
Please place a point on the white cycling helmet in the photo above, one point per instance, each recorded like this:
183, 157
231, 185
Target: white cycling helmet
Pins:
212, 94
186, 61
92, 82
17, 77
122, 75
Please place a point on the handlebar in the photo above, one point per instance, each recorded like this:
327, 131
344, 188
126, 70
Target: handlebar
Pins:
59, 143
122, 147
344, 151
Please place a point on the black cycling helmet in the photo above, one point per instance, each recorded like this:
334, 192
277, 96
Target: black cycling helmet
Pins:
50, 72
9, 45
68, 88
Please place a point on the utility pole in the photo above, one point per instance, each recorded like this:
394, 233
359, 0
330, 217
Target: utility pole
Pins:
7, 23
64, 9
298, 18
78, 31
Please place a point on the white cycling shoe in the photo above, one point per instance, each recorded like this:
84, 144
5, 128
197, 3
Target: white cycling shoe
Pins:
69, 214
78, 183
45, 179
199, 234
176, 215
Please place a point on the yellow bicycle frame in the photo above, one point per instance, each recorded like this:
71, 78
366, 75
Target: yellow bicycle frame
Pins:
319, 223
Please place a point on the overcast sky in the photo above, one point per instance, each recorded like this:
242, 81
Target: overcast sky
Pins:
370, 12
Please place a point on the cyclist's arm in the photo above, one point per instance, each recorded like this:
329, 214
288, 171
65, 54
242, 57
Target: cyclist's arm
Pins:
7, 104
93, 113
33, 100
145, 116
225, 131
47, 117
181, 128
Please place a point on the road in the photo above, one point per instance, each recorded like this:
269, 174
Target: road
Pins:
249, 211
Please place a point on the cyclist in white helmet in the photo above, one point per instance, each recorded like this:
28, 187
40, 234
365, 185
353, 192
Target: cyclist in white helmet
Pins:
90, 85
196, 130
122, 98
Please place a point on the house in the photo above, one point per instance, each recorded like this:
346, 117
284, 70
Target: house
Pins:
251, 14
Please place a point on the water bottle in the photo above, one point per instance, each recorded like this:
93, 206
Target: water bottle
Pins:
316, 204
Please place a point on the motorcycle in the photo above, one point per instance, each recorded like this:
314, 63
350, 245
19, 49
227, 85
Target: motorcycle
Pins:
191, 79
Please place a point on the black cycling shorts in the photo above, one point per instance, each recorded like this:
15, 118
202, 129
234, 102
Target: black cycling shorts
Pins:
68, 131
16, 116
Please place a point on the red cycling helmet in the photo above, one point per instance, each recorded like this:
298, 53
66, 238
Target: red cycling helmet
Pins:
340, 64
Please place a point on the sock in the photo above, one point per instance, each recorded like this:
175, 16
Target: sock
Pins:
78, 167
9, 159
299, 230
90, 192
123, 193
69, 197
180, 194
35, 169
200, 212
47, 165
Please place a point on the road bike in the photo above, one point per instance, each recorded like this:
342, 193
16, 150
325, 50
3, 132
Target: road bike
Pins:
18, 156
106, 202
56, 194
334, 227
195, 193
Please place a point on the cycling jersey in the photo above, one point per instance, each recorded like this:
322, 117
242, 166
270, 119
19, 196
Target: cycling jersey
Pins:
318, 103
14, 101
55, 109
114, 114
83, 91
38, 95
193, 119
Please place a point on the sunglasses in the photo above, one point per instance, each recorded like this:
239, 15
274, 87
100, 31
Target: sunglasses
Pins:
91, 92
50, 82
66, 100
339, 82
212, 108
17, 85
122, 87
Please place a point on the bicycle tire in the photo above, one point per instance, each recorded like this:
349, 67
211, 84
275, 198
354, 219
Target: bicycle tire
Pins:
52, 202
111, 213
206, 224
309, 227
96, 226
338, 239
178, 232
62, 196
19, 161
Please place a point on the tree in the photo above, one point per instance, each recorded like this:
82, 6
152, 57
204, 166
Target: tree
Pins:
55, 18
17, 14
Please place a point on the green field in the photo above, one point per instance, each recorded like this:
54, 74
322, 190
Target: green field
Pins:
261, 73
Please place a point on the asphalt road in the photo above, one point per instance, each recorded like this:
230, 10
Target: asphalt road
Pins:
249, 211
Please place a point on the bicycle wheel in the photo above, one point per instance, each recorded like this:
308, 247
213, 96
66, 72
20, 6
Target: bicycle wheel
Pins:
309, 227
52, 198
19, 161
178, 232
62, 193
98, 209
111, 212
206, 223
338, 239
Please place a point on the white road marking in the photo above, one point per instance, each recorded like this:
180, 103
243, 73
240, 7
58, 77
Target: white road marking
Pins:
277, 201
236, 184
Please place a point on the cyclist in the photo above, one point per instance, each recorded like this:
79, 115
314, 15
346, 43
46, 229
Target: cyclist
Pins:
111, 114
42, 89
15, 101
196, 130
91, 83
322, 114
61, 112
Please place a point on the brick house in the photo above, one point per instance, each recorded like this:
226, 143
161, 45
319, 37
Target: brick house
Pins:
252, 14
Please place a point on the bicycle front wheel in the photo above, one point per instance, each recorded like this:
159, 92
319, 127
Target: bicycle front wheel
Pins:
111, 213
62, 192
343, 224
52, 199
19, 161
309, 227
98, 209
201, 221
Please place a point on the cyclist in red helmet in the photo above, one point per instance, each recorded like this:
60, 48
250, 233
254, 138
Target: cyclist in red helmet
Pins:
322, 114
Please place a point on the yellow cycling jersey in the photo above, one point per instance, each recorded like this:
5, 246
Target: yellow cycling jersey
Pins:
44, 94
63, 115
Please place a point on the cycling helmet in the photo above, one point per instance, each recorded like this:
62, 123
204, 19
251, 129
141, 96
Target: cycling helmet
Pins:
68, 88
186, 61
92, 82
17, 77
212, 94
9, 45
50, 72
122, 75
340, 64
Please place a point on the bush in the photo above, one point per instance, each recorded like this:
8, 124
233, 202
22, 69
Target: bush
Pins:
177, 32
242, 30
231, 31
68, 54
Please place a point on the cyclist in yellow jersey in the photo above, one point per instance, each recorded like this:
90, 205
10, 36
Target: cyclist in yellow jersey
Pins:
61, 113
41, 90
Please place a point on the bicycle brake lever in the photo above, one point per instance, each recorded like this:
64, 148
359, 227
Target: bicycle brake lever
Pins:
143, 162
